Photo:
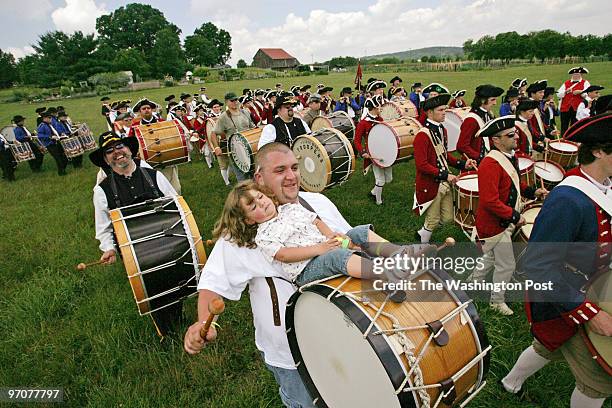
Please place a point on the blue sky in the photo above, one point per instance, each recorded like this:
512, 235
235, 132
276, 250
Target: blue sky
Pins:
318, 29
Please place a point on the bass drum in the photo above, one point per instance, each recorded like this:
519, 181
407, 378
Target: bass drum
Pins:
163, 143
243, 147
391, 111
452, 123
326, 159
357, 351
389, 142
338, 120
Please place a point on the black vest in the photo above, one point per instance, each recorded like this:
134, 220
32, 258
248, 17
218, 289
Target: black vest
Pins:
296, 128
121, 191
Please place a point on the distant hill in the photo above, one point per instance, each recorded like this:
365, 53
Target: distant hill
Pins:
421, 52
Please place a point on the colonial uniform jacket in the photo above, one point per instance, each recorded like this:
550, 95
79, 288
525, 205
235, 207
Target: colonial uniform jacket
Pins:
429, 171
468, 142
361, 136
497, 198
571, 229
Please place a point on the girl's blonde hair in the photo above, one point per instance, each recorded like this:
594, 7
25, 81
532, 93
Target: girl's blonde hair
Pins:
232, 223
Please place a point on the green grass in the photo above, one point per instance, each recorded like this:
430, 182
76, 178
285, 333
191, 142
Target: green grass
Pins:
81, 330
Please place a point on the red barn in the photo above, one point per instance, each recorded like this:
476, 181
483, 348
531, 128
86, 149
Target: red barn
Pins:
274, 58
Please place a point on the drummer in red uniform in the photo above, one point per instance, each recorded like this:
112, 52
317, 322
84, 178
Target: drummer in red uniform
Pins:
498, 212
362, 131
430, 91
432, 192
458, 101
485, 99
536, 92
527, 141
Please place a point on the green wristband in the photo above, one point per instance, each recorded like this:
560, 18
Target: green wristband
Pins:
345, 243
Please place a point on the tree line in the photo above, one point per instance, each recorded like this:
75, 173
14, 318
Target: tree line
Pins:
136, 37
538, 45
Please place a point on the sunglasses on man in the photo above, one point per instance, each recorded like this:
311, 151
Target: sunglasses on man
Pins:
118, 146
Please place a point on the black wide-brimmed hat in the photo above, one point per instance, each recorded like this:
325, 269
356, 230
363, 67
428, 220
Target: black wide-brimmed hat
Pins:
537, 86
593, 88
108, 139
374, 85
435, 87
436, 101
497, 125
395, 78
578, 70
40, 110
526, 104
143, 102
18, 118
214, 102
594, 129
169, 98
488, 91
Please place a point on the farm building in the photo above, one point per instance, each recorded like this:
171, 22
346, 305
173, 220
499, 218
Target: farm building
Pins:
274, 58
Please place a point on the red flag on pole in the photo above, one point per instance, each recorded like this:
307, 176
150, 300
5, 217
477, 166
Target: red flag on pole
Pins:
358, 76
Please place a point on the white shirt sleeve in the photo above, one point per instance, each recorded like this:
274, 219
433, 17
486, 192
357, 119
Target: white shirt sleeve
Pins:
104, 228
268, 135
582, 111
164, 185
306, 127
561, 91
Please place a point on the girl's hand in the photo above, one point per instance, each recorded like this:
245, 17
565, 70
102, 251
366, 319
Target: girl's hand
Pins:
329, 245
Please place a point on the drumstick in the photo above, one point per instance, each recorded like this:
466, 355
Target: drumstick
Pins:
448, 242
215, 307
82, 266
467, 158
541, 182
546, 154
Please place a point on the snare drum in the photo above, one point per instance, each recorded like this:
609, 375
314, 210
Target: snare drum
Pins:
163, 143
391, 111
162, 251
563, 152
72, 146
338, 120
326, 158
86, 138
210, 129
243, 147
526, 169
600, 291
466, 200
354, 350
389, 142
21, 152
530, 213
549, 172
452, 123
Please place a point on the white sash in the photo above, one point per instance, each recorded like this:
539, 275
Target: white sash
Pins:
591, 191
440, 150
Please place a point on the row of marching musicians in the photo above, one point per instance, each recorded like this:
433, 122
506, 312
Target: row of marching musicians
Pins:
55, 134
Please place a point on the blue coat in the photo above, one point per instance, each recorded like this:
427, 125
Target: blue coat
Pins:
45, 133
505, 109
343, 106
20, 134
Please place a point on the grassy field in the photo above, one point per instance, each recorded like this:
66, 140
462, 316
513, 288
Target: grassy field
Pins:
81, 331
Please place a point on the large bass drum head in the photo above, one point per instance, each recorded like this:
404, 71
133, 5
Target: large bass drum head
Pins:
390, 111
241, 152
320, 122
383, 145
314, 164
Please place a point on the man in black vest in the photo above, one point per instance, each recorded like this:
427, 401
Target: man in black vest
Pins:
285, 128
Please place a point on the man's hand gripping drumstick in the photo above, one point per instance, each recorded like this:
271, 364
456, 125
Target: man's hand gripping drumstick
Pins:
203, 331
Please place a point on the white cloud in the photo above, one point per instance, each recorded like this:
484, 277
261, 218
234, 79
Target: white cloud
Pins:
78, 15
399, 25
20, 52
27, 9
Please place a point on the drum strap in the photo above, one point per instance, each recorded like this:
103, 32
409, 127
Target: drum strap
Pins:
274, 298
149, 181
438, 147
505, 163
540, 123
147, 177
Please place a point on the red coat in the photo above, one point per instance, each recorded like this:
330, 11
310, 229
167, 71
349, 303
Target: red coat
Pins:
201, 129
422, 117
361, 137
138, 122
428, 175
453, 104
468, 143
570, 100
254, 115
497, 197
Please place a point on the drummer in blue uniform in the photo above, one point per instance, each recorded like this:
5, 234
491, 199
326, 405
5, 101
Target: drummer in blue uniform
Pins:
570, 247
49, 138
23, 135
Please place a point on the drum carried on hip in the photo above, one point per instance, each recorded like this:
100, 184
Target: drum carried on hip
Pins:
163, 143
563, 152
338, 120
326, 158
389, 142
21, 151
243, 147
452, 123
526, 169
86, 137
162, 251
549, 172
600, 291
390, 111
72, 146
353, 349
466, 199
210, 129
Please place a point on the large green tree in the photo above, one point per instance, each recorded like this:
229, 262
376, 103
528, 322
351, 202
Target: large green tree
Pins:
133, 60
199, 46
167, 57
8, 69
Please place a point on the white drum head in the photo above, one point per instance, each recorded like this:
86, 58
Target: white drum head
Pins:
344, 367
241, 152
524, 162
9, 133
469, 182
390, 111
530, 215
452, 123
562, 146
383, 145
313, 161
548, 171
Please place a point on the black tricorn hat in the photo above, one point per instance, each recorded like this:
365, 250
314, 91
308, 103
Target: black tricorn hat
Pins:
143, 102
104, 98
107, 139
346, 90
18, 118
395, 78
326, 89
602, 104
578, 70
436, 101
549, 91
305, 88
537, 86
488, 91
512, 93
41, 109
169, 98
435, 87
526, 104
594, 129
214, 102
497, 125
593, 88
459, 93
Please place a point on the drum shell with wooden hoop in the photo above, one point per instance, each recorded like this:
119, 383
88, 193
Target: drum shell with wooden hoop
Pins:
526, 169
326, 159
563, 152
466, 200
344, 365
162, 251
21, 151
530, 213
86, 137
452, 123
243, 148
163, 143
549, 172
210, 129
338, 120
389, 142
391, 111
600, 292
72, 146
